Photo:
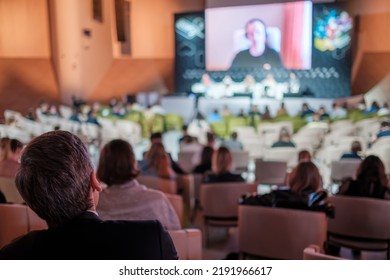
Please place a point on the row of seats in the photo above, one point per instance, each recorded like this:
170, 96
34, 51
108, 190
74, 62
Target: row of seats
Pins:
17, 220
280, 233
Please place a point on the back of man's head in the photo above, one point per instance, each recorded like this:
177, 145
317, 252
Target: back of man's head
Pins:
356, 147
54, 177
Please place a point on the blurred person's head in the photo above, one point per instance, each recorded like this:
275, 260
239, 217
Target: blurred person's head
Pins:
234, 135
4, 148
305, 177
356, 147
117, 164
284, 135
15, 149
157, 155
256, 32
304, 156
222, 160
371, 171
156, 137
385, 125
56, 177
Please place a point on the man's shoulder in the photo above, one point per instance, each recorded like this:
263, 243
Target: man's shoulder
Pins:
94, 239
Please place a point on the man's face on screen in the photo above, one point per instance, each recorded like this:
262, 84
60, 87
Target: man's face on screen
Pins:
256, 33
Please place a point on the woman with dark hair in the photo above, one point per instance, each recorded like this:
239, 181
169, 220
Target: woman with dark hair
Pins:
371, 180
222, 164
124, 198
11, 151
284, 139
304, 192
205, 162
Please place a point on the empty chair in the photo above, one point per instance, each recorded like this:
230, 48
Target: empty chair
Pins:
360, 224
186, 160
219, 202
164, 185
240, 160
343, 169
8, 188
271, 172
313, 252
188, 243
279, 233
255, 147
287, 154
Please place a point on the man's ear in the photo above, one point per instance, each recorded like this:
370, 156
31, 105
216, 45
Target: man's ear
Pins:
95, 185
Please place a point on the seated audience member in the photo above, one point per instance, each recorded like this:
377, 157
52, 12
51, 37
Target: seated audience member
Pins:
304, 156
30, 115
10, 164
241, 113
198, 127
254, 111
284, 139
125, 198
222, 164
233, 144
384, 130
323, 115
4, 147
75, 115
384, 111
267, 114
91, 118
157, 138
306, 111
205, 162
186, 137
356, 149
282, 111
338, 112
225, 111
373, 109
56, 179
214, 116
371, 180
157, 163
304, 192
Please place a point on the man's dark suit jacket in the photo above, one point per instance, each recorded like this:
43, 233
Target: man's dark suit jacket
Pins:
89, 238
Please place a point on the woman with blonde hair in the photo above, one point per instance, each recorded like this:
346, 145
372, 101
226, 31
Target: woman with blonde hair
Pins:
222, 164
158, 162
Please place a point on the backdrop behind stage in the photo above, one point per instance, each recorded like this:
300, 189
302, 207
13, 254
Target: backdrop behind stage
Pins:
323, 70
